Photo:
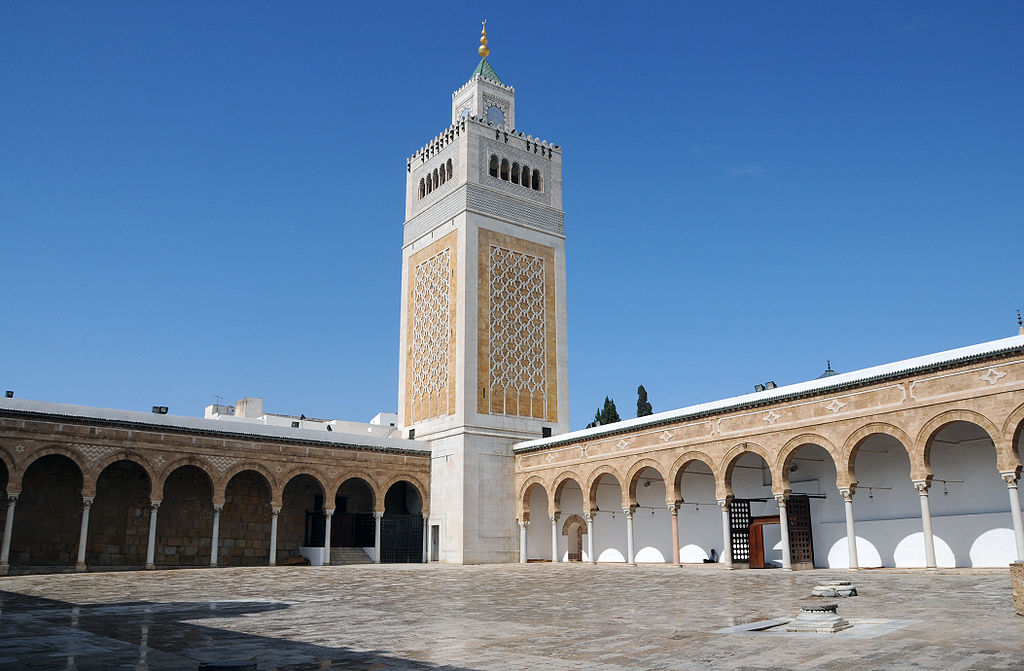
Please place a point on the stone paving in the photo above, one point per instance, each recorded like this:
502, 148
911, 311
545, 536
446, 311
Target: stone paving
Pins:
538, 616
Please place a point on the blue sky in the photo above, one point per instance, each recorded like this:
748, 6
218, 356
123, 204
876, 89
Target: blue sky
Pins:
207, 198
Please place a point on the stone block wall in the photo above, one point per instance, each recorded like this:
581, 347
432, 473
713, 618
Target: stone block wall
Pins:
119, 517
245, 522
48, 515
184, 528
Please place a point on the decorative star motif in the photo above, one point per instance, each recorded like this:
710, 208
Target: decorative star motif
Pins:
992, 376
550, 457
159, 460
19, 449
667, 435
624, 443
835, 406
771, 417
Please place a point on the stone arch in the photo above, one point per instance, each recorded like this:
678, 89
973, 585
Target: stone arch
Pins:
345, 476
724, 476
571, 520
557, 484
412, 480
515, 172
537, 183
921, 468
523, 501
448, 168
294, 473
422, 190
504, 169
673, 489
525, 177
792, 446
633, 476
1012, 427
203, 465
222, 483
492, 166
590, 493
8, 461
90, 479
845, 475
15, 476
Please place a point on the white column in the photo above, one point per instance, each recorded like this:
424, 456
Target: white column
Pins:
426, 538
673, 509
628, 512
215, 541
787, 555
328, 514
926, 523
554, 537
851, 535
726, 556
274, 512
590, 536
5, 548
1011, 486
522, 542
151, 544
376, 537
83, 535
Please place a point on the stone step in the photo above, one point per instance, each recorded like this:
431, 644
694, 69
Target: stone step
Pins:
349, 556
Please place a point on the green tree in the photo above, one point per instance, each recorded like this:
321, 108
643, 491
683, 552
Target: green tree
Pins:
608, 414
643, 407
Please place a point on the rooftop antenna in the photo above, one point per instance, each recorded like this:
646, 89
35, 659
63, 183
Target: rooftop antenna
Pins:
1020, 324
219, 398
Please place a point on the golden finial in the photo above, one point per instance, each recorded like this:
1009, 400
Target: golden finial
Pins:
484, 49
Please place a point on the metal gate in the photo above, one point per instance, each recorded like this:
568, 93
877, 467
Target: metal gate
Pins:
801, 545
739, 529
401, 539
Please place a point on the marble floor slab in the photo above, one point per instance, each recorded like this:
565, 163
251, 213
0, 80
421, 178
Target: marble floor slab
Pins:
536, 616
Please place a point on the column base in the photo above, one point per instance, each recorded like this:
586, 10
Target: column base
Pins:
633, 565
932, 569
80, 567
150, 567
5, 568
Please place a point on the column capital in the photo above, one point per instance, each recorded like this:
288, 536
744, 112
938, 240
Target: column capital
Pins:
724, 503
217, 507
1011, 478
154, 505
87, 502
554, 517
378, 514
847, 494
275, 510
12, 497
922, 487
781, 499
588, 516
329, 512
628, 512
523, 524
673, 508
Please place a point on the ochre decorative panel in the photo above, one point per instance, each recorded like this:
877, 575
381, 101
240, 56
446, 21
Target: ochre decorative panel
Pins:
430, 351
517, 365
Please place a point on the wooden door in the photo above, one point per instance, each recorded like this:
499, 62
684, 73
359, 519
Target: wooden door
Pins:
756, 546
801, 545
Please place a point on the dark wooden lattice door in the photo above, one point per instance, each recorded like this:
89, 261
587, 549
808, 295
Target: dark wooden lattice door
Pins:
801, 545
739, 529
401, 539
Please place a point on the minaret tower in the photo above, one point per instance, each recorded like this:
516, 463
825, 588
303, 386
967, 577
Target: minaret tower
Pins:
483, 338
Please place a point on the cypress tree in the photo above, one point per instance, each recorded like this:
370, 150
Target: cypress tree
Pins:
643, 407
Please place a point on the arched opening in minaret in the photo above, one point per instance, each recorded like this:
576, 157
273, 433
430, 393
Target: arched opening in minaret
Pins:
504, 169
401, 527
525, 181
448, 168
515, 173
429, 187
436, 183
495, 116
443, 175
423, 189
492, 168
538, 184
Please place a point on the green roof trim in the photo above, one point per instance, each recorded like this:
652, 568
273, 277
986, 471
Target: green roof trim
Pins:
485, 70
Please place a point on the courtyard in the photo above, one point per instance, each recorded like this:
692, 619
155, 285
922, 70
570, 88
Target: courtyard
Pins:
536, 616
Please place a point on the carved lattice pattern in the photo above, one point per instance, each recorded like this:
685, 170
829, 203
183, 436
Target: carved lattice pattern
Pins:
518, 347
431, 336
739, 523
801, 546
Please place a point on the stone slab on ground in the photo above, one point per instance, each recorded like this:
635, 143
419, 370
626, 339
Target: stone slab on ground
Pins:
538, 616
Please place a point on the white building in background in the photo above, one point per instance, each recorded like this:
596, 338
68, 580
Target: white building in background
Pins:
250, 410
